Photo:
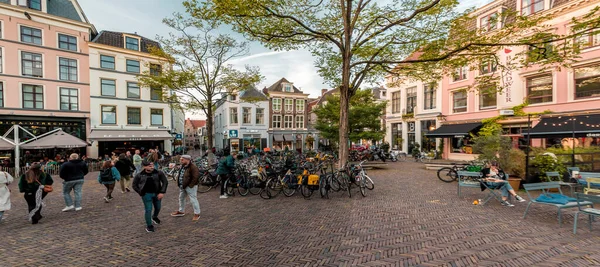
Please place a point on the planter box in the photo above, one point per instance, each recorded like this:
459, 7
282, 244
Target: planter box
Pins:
515, 183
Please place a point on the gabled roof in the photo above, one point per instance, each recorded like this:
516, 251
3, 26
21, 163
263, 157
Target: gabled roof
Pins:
65, 9
116, 39
253, 94
311, 105
197, 123
278, 86
326, 95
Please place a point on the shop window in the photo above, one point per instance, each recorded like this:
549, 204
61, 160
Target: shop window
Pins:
462, 145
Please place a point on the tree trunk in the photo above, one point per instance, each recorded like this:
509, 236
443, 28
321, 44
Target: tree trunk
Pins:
209, 125
344, 125
345, 86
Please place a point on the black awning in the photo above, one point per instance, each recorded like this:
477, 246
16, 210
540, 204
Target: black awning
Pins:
567, 126
454, 130
289, 137
278, 138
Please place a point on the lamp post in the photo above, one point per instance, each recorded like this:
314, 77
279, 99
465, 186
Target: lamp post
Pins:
573, 140
528, 145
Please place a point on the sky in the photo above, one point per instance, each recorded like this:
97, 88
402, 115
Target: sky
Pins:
144, 17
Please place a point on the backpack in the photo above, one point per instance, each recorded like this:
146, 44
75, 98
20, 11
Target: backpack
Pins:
106, 175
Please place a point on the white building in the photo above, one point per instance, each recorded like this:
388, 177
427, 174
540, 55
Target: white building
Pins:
125, 116
242, 121
412, 110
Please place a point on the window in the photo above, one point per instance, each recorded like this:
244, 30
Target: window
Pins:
1, 94
260, 116
487, 98
287, 87
108, 87
31, 64
233, 115
246, 114
31, 35
133, 66
33, 96
489, 22
396, 102
276, 121
539, 52
587, 82
411, 99
67, 42
156, 93
529, 7
107, 62
133, 90
590, 39
132, 43
276, 104
429, 96
69, 99
459, 101
155, 69
299, 105
68, 69
460, 74
289, 104
488, 66
156, 116
134, 116
33, 4
539, 89
299, 121
1, 56
287, 121
232, 97
109, 114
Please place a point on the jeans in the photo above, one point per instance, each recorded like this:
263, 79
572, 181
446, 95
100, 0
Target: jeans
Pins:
1, 214
504, 187
190, 192
77, 187
150, 199
125, 182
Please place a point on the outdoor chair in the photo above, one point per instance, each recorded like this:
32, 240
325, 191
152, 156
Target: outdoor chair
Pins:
560, 201
591, 212
468, 179
553, 176
593, 186
570, 171
493, 192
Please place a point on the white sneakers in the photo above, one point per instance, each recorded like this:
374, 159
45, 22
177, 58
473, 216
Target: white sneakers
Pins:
78, 209
69, 208
223, 196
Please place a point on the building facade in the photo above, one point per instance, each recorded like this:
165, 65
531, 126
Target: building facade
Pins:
44, 78
193, 132
124, 115
241, 121
288, 116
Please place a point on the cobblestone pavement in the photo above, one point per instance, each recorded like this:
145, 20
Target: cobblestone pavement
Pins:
410, 219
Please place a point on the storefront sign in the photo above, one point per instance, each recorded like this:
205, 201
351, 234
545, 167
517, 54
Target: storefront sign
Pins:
233, 134
38, 123
593, 135
459, 136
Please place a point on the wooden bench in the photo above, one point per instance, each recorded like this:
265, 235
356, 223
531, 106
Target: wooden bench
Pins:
591, 212
544, 188
468, 179
583, 181
593, 186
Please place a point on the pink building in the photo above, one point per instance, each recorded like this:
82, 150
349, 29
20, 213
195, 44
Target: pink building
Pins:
566, 92
44, 66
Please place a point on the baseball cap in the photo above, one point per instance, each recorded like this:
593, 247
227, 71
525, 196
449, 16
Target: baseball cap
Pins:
146, 163
186, 157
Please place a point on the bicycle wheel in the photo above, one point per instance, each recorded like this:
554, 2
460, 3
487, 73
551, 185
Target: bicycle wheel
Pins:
244, 187
324, 186
447, 174
206, 184
306, 191
369, 183
229, 188
362, 185
264, 193
334, 184
254, 185
287, 188
273, 187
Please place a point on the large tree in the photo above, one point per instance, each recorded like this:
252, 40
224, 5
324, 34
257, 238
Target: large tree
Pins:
364, 117
196, 69
358, 41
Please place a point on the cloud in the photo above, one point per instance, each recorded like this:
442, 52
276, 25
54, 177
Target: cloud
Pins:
258, 55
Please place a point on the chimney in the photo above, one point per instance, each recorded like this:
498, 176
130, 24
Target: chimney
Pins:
265, 91
323, 91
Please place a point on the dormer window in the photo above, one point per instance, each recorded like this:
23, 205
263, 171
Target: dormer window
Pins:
33, 4
287, 87
132, 43
489, 22
529, 7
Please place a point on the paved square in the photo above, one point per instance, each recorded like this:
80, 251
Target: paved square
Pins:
410, 219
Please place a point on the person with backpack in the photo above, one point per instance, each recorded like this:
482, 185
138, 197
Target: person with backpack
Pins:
151, 185
108, 176
124, 166
5, 180
72, 173
35, 184
225, 169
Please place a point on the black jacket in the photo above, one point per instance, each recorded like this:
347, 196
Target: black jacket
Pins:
124, 166
158, 178
73, 170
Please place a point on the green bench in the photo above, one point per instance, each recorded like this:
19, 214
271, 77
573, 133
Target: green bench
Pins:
468, 179
591, 212
545, 188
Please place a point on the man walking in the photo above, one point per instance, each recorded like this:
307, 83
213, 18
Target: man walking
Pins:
187, 180
73, 172
137, 162
151, 185
124, 166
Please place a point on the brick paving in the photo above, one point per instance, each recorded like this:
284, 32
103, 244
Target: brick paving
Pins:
410, 219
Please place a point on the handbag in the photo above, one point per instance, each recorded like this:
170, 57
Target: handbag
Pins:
47, 188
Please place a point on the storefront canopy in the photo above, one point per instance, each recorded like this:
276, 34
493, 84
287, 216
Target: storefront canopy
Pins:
566, 126
278, 138
5, 145
289, 137
58, 139
123, 135
453, 130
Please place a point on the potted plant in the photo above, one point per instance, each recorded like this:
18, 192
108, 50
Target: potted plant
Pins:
547, 162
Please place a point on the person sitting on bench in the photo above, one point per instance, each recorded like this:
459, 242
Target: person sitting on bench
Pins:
494, 178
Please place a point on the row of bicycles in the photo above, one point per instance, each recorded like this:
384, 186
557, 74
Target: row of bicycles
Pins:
287, 174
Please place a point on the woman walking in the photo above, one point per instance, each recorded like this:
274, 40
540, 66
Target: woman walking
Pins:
35, 184
5, 180
124, 166
108, 176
